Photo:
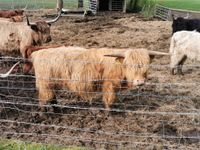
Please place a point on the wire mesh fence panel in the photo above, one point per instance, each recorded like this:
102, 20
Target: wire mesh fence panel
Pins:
117, 5
72, 4
90, 5
33, 4
85, 5
164, 113
162, 12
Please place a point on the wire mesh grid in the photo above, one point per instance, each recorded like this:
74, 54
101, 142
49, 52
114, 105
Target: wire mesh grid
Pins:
86, 5
164, 113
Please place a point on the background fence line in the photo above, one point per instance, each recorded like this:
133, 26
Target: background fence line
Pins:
165, 13
41, 5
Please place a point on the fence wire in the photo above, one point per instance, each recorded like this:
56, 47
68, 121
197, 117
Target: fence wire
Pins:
164, 113
166, 13
36, 5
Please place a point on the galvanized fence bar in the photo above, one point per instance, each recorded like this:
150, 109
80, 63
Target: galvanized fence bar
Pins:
165, 13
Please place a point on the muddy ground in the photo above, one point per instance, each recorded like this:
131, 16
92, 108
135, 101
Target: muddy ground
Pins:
161, 115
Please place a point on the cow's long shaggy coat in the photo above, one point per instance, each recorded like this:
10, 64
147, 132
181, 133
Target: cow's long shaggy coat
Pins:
88, 72
184, 44
16, 37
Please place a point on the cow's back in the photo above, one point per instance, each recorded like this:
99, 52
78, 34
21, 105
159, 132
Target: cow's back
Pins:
12, 34
54, 59
187, 42
76, 68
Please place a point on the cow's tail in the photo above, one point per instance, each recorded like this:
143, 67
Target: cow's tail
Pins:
172, 45
172, 52
10, 71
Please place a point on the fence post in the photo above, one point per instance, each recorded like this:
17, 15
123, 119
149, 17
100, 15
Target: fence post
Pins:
59, 5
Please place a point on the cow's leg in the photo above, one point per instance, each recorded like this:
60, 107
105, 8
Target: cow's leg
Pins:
27, 67
54, 102
23, 48
108, 94
175, 60
180, 65
45, 95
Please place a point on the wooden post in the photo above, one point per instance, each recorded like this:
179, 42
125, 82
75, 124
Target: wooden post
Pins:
59, 5
110, 5
124, 6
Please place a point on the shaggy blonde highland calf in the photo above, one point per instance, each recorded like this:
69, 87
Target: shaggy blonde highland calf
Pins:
89, 71
184, 44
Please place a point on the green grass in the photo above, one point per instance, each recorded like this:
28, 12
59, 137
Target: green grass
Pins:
34, 4
178, 4
149, 5
181, 4
19, 145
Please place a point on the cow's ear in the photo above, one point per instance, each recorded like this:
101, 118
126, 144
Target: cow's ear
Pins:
151, 57
34, 27
174, 17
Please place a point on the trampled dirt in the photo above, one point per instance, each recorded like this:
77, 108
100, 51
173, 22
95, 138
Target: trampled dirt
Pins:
160, 115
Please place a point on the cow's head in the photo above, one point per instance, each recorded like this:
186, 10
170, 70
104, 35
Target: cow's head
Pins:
179, 24
19, 12
136, 64
41, 30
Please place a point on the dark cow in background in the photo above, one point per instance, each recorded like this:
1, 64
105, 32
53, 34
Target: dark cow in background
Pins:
180, 24
11, 13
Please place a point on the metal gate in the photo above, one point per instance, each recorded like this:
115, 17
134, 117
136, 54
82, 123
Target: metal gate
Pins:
116, 5
90, 5
162, 12
79, 7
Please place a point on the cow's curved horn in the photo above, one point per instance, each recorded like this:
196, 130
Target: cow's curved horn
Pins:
56, 19
158, 53
49, 22
9, 72
174, 17
25, 7
119, 55
28, 22
187, 17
